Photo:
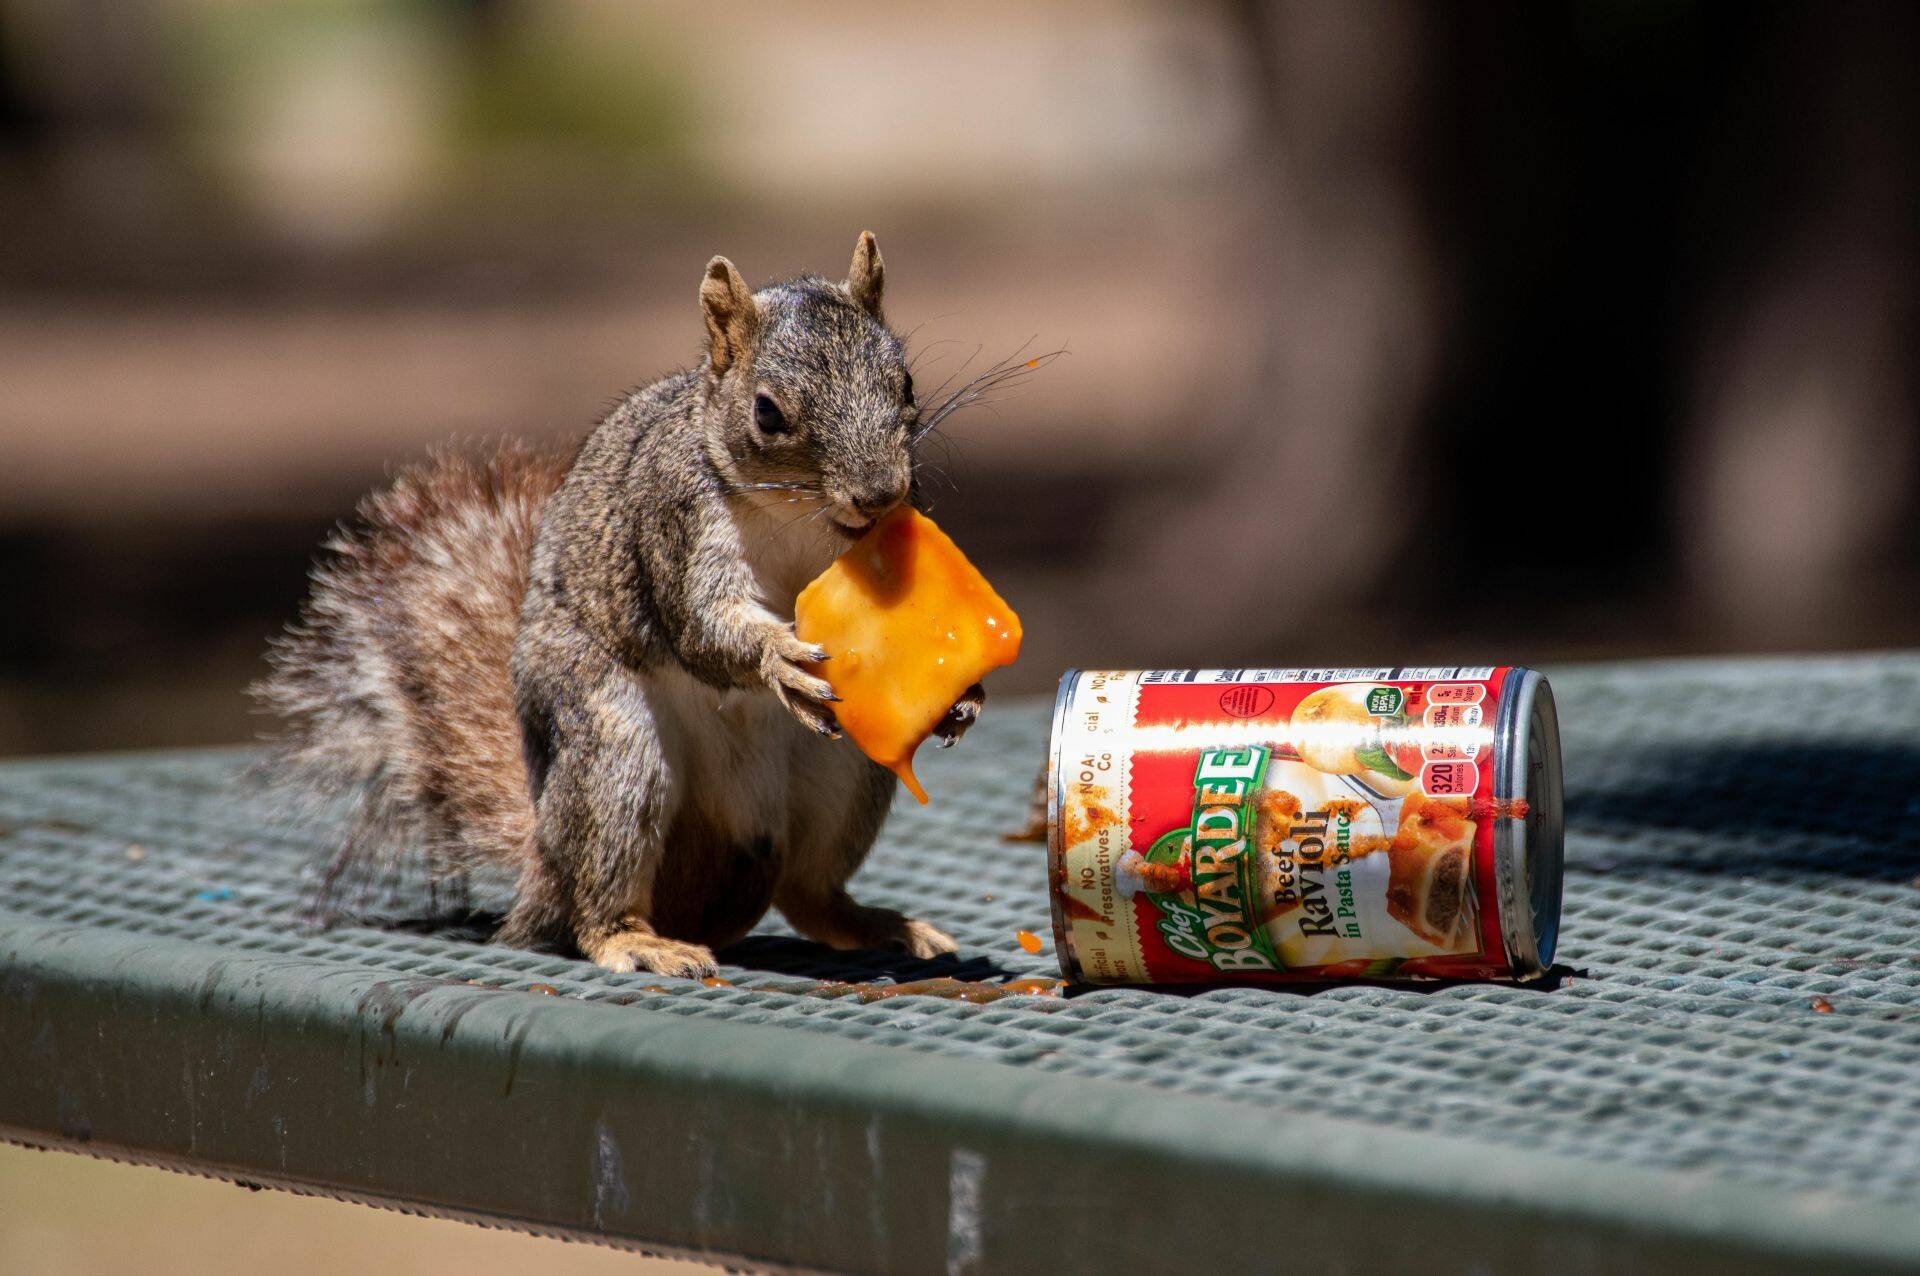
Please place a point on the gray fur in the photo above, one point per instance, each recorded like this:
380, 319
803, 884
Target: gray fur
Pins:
655, 756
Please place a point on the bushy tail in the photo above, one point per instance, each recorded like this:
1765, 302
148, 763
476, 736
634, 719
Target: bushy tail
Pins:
395, 680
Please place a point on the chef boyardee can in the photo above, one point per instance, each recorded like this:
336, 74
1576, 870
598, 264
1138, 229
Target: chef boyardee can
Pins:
1285, 825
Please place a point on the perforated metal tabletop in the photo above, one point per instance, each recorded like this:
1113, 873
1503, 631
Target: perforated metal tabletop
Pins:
1725, 1075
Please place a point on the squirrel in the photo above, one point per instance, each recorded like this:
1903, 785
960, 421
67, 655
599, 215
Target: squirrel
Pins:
583, 666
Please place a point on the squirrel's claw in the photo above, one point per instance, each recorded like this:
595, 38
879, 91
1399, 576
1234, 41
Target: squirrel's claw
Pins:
963, 715
783, 661
816, 717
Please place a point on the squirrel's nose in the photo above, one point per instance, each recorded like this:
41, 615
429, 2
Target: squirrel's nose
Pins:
879, 500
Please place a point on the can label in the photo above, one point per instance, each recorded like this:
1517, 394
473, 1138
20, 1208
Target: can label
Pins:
1278, 825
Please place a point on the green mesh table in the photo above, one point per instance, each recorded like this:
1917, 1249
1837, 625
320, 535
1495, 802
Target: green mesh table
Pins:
1725, 1078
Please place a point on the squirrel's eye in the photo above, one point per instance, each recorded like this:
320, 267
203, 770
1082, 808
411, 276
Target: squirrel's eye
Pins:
767, 415
906, 390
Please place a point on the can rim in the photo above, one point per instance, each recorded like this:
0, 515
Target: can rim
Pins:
1056, 853
1546, 853
1528, 853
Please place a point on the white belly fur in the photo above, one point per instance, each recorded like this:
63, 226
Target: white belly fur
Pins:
740, 761
737, 759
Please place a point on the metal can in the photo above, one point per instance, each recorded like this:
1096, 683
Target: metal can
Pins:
1288, 825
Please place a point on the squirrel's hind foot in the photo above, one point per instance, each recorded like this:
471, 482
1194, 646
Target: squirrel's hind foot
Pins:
916, 938
628, 951
838, 921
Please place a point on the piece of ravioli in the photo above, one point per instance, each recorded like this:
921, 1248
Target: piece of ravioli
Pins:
908, 625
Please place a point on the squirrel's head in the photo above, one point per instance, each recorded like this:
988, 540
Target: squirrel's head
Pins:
807, 389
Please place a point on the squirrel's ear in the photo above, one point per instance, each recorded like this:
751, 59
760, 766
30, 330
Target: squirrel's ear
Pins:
732, 320
867, 277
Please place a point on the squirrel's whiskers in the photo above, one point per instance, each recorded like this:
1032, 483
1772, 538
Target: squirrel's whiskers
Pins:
1005, 375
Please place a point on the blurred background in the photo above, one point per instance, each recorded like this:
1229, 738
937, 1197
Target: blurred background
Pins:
1474, 332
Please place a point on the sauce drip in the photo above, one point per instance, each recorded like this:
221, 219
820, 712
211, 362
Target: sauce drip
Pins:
908, 624
1028, 940
945, 987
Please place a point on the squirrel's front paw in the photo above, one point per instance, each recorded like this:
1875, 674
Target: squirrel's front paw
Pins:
963, 715
783, 661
